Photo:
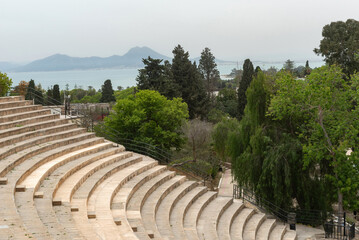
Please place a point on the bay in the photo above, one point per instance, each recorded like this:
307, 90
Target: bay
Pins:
124, 77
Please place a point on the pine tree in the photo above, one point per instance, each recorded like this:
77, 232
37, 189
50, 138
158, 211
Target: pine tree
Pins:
208, 68
56, 95
158, 77
190, 83
247, 76
107, 92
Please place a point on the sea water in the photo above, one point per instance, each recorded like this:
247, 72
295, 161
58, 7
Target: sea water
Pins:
124, 77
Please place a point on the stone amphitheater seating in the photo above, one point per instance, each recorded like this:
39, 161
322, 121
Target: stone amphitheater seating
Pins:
58, 181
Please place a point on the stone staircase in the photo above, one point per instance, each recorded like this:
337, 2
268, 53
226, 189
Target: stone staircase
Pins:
58, 181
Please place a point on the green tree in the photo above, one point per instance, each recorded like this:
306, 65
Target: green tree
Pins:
5, 84
340, 45
149, 117
158, 77
247, 76
208, 68
289, 65
265, 156
323, 113
189, 80
34, 93
227, 101
49, 96
220, 136
307, 68
56, 95
107, 92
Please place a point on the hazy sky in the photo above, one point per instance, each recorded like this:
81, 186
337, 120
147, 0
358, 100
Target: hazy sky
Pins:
232, 29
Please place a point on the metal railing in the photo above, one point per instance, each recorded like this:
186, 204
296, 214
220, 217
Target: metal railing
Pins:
338, 230
341, 231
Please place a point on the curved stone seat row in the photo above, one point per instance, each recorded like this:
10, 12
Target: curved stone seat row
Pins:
60, 182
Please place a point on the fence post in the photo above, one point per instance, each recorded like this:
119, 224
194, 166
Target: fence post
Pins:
292, 220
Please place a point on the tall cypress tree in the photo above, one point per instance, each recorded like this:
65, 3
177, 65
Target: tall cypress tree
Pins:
56, 95
247, 77
30, 94
107, 92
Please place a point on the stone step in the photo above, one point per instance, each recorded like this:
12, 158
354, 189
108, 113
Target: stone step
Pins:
31, 128
11, 99
123, 197
34, 178
137, 200
55, 127
252, 226
4, 105
21, 109
106, 216
227, 218
180, 210
39, 141
164, 210
10, 212
27, 121
239, 222
265, 229
290, 235
277, 232
193, 213
83, 195
10, 163
74, 177
208, 220
7, 191
151, 204
24, 115
44, 206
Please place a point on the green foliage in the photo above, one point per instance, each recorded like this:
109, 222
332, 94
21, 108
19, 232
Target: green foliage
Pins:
220, 135
34, 93
322, 113
56, 94
227, 101
91, 99
267, 154
340, 45
189, 80
247, 76
107, 92
125, 93
208, 68
289, 66
5, 84
149, 117
158, 77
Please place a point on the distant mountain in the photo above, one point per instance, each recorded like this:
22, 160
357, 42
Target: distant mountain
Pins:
60, 62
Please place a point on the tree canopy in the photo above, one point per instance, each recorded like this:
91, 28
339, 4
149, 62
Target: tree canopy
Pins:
149, 117
208, 68
56, 94
157, 76
340, 45
107, 92
187, 77
293, 139
5, 84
